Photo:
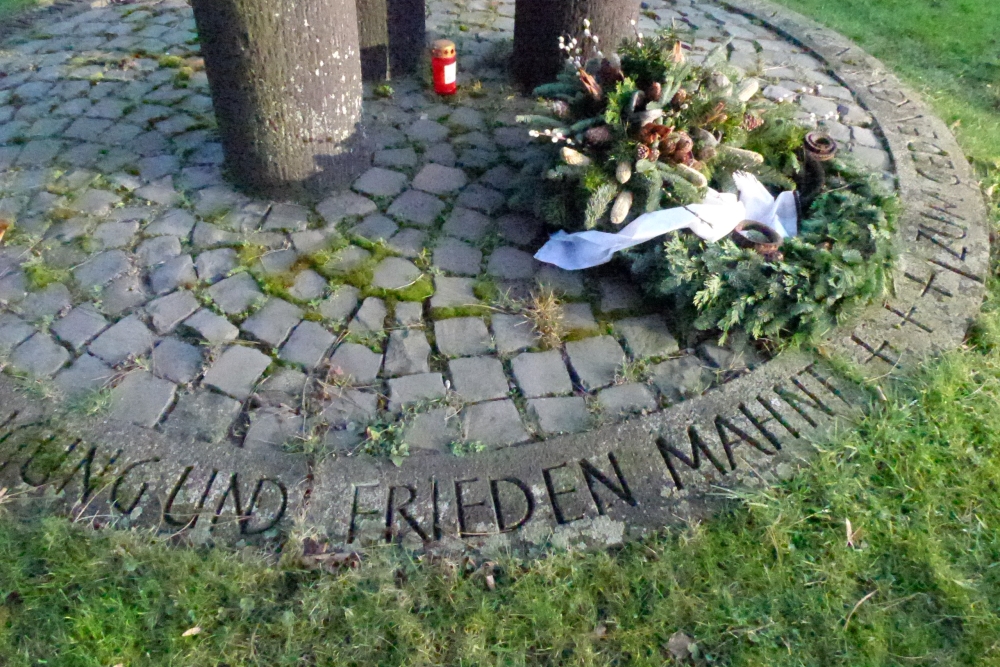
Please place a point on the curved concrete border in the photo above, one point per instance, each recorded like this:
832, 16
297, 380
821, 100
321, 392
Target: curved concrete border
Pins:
601, 486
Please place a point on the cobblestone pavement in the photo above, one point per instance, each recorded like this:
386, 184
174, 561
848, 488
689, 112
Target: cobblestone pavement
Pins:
134, 274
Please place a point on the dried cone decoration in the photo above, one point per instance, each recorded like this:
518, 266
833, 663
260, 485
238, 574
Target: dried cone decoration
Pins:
590, 84
4, 226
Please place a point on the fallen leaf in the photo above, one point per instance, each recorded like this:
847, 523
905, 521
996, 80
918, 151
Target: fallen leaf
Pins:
191, 632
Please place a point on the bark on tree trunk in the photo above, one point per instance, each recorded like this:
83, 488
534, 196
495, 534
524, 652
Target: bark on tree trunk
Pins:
393, 36
539, 23
286, 88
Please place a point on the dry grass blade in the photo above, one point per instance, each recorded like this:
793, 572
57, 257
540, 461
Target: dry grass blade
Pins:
545, 313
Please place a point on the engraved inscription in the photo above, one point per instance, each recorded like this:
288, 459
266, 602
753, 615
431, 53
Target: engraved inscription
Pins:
907, 318
883, 351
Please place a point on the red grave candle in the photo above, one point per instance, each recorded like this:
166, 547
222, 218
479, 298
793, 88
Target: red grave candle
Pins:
444, 67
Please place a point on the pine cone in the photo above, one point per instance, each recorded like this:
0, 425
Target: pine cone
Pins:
560, 109
654, 132
598, 136
751, 122
679, 99
654, 91
654, 154
642, 152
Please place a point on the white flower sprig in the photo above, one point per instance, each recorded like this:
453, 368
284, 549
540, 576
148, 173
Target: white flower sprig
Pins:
556, 135
574, 48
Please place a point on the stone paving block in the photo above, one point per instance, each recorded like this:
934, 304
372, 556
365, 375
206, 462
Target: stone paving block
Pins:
273, 322
442, 154
307, 345
79, 326
560, 415
46, 303
309, 241
346, 260
278, 262
169, 311
346, 205
202, 415
101, 269
477, 158
348, 407
86, 374
39, 356
874, 159
440, 180
127, 337
213, 265
13, 287
481, 198
510, 263
595, 361
213, 328
287, 218
87, 129
141, 399
394, 273
375, 228
541, 374
177, 361
115, 234
407, 353
235, 294
519, 229
236, 372
453, 292
396, 157
427, 132
646, 336
462, 337
174, 273
308, 286
206, 235
410, 389
158, 166
271, 429
357, 364
160, 192
417, 208
578, 319
740, 357
678, 379
122, 295
513, 333
494, 423
466, 224
454, 256
865, 137
626, 399
380, 182
467, 118
284, 387
370, 317
500, 177
478, 378
567, 283
341, 304
158, 250
408, 313
617, 295
433, 430
408, 242
215, 201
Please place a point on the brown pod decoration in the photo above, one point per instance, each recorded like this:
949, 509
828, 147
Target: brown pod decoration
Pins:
768, 247
821, 146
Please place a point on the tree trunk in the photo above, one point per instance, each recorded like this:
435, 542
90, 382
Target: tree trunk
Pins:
392, 35
538, 25
286, 87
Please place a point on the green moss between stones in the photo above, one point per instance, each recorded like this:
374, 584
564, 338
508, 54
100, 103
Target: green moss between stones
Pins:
422, 288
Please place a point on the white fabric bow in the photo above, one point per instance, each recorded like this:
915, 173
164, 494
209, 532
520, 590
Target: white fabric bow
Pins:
712, 220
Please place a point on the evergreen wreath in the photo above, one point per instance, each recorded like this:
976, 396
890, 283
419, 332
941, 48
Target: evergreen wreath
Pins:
645, 129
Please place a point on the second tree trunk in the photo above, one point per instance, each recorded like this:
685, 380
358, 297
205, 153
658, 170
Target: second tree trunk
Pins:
538, 24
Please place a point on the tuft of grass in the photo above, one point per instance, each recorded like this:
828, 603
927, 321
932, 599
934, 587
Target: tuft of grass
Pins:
41, 275
545, 312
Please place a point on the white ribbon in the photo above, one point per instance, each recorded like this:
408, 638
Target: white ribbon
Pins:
712, 220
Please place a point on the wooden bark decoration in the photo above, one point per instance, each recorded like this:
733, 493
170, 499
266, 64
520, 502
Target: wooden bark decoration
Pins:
286, 88
539, 23
392, 36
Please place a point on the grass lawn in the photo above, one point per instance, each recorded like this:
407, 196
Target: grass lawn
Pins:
8, 7
769, 582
